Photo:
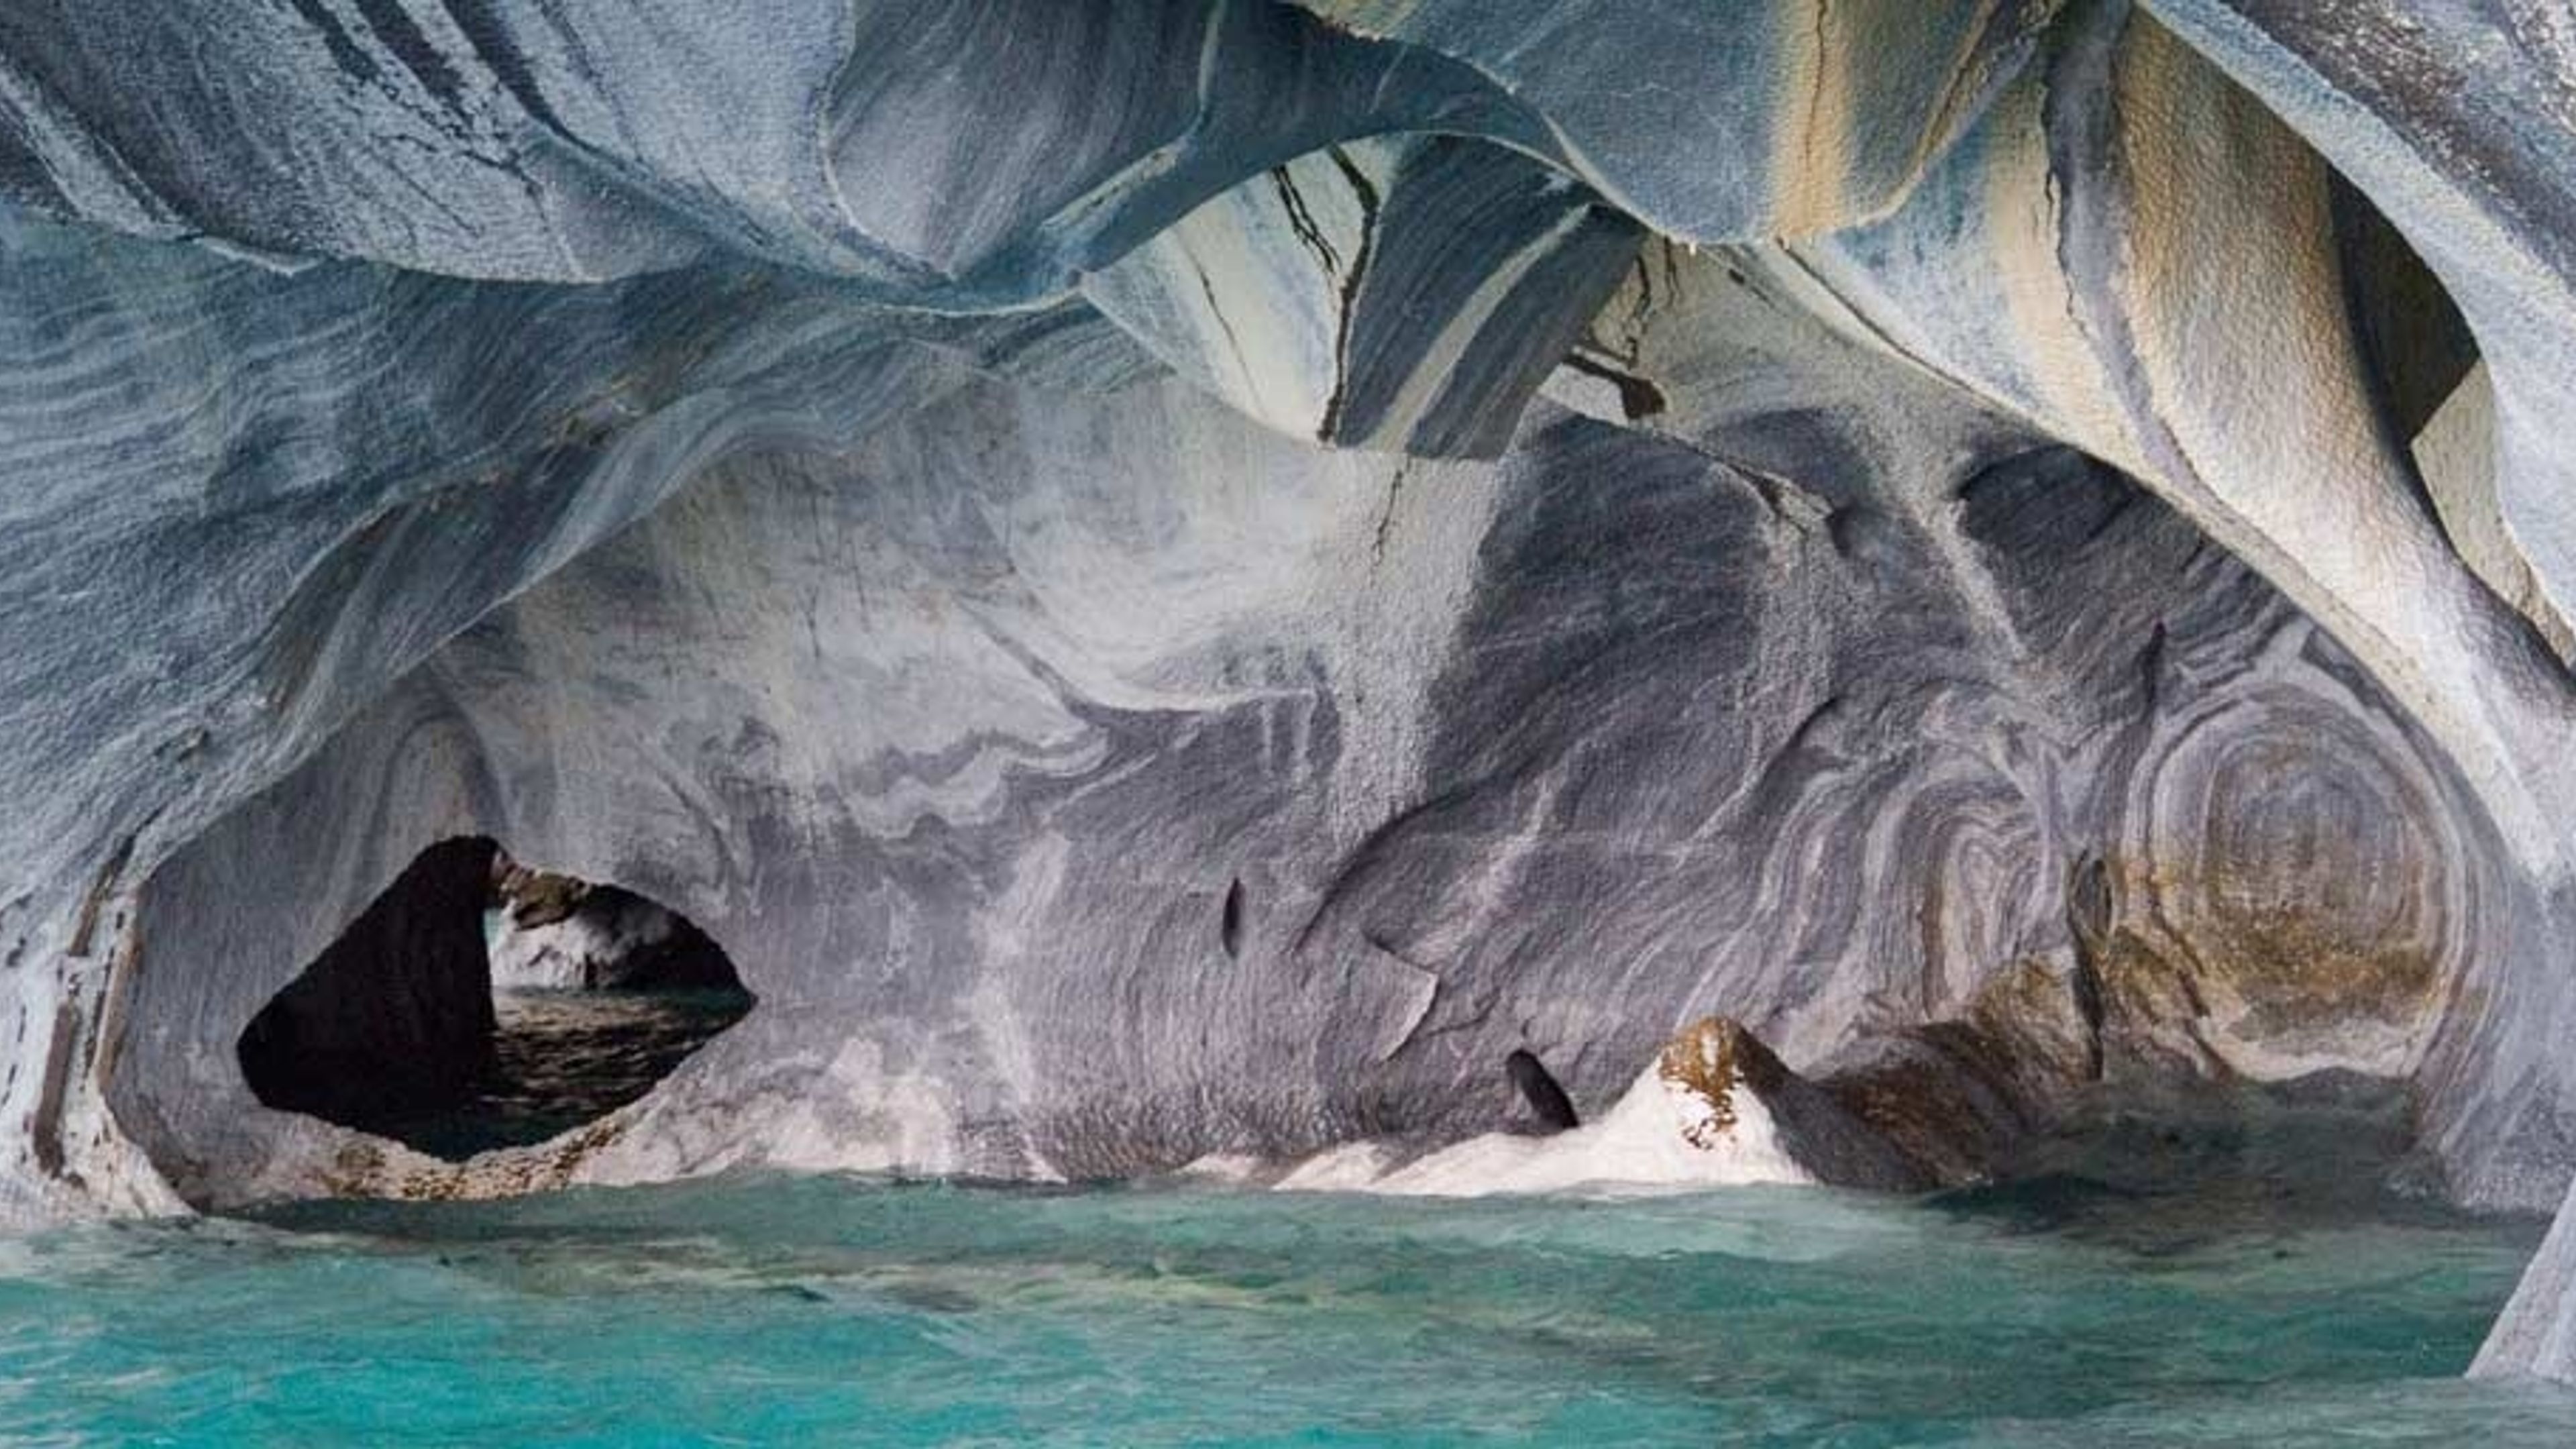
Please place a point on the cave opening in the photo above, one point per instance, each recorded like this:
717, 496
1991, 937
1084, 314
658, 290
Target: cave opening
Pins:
477, 1004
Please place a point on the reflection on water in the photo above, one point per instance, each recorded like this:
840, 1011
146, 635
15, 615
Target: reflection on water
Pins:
566, 1057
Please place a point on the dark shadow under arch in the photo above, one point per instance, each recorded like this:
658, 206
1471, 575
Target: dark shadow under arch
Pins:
397, 1029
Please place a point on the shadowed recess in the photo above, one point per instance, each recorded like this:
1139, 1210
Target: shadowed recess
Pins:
478, 1004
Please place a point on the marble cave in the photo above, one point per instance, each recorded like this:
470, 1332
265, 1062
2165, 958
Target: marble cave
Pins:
1354, 605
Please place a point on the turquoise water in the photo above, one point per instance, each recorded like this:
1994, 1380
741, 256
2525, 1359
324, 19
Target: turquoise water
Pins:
837, 1311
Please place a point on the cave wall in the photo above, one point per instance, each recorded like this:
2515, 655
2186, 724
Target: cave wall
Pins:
731, 453
964, 741
396, 1015
597, 938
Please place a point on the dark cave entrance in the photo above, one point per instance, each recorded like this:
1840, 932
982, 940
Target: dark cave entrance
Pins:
479, 1004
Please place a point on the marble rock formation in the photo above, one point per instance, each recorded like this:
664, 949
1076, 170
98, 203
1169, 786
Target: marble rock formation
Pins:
1715, 1106
552, 932
394, 1016
1181, 578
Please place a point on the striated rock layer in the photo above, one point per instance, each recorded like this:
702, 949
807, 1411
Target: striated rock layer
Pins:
1183, 578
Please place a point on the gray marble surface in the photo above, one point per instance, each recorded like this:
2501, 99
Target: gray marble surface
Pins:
1179, 579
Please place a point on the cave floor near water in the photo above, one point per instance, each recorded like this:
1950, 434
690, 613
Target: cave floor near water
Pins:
770, 1310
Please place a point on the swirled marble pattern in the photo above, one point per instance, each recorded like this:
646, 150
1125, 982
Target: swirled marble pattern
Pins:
1182, 577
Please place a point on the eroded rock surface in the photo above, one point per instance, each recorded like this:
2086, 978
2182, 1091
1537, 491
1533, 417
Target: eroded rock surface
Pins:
1184, 577
548, 931
396, 1015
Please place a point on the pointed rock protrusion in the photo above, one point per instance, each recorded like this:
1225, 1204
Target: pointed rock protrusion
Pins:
1732, 1094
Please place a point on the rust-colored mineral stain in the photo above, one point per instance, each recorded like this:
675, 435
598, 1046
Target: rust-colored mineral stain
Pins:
1708, 1059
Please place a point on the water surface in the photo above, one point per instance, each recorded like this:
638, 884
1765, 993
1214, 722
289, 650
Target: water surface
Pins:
838, 1311
565, 1057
